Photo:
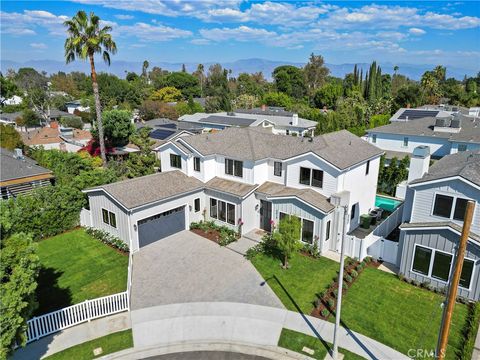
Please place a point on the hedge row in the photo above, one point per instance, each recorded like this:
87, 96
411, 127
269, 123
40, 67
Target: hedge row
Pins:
107, 238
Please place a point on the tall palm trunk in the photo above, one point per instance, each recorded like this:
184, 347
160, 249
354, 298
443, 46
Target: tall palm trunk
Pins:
101, 138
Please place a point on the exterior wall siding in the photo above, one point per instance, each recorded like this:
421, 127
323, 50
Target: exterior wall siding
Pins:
443, 240
165, 158
394, 142
469, 147
424, 199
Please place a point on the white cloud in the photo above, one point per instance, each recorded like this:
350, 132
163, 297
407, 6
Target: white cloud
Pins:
29, 21
147, 32
200, 42
241, 33
38, 45
124, 17
417, 31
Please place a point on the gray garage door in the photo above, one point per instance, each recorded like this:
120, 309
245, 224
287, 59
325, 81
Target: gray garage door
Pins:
161, 225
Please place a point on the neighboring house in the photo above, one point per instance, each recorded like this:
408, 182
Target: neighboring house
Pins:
14, 100
65, 139
9, 118
408, 114
433, 218
246, 179
444, 135
76, 105
279, 124
20, 174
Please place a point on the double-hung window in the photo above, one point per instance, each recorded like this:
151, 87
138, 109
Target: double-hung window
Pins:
196, 204
277, 168
213, 208
175, 161
307, 231
109, 218
196, 163
234, 167
327, 231
311, 177
374, 138
449, 207
405, 142
421, 260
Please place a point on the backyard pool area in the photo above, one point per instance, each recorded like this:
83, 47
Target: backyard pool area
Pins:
387, 203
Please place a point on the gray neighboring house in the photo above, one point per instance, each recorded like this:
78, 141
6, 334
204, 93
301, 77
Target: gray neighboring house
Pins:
433, 219
279, 121
20, 174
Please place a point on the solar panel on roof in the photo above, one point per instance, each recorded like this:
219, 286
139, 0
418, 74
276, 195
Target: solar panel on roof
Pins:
228, 120
413, 114
161, 134
168, 126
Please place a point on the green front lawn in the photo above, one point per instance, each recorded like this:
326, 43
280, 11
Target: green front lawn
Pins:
109, 344
297, 286
398, 314
76, 267
295, 341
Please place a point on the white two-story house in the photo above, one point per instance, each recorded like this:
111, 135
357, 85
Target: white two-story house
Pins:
433, 219
247, 179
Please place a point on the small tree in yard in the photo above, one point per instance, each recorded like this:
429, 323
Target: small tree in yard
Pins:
19, 268
288, 237
145, 161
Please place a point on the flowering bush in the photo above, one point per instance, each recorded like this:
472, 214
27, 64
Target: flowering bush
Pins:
107, 238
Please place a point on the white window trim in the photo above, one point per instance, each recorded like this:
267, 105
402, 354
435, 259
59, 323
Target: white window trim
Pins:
281, 168
108, 223
454, 204
233, 176
311, 177
430, 266
226, 211
301, 226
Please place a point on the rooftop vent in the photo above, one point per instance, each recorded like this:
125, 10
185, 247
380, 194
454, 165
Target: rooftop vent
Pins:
295, 119
441, 122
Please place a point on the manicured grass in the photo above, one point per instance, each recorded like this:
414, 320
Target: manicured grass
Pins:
299, 284
295, 341
398, 314
109, 344
75, 267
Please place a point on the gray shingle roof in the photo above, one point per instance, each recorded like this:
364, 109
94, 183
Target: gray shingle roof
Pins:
449, 224
469, 132
229, 186
341, 148
147, 189
12, 168
465, 164
317, 200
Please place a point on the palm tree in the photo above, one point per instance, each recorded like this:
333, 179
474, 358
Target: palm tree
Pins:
201, 76
85, 39
395, 69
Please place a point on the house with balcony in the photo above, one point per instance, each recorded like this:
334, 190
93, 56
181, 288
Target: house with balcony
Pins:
245, 178
433, 216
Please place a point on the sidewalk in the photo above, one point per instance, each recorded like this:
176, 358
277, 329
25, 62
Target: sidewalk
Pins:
73, 336
241, 323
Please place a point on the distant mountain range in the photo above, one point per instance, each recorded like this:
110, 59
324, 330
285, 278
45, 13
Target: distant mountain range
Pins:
119, 67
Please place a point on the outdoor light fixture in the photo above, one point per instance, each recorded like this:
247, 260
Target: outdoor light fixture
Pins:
135, 227
257, 206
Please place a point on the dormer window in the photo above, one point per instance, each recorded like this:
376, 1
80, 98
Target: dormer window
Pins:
196, 163
234, 167
449, 207
175, 161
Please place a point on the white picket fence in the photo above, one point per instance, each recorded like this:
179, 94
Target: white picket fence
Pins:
73, 315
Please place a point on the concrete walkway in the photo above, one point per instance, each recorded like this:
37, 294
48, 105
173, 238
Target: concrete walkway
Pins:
73, 336
240, 323
476, 347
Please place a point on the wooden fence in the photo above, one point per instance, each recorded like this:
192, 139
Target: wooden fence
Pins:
73, 315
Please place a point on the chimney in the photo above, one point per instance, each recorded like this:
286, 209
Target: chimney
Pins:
264, 107
18, 153
419, 163
295, 119
54, 124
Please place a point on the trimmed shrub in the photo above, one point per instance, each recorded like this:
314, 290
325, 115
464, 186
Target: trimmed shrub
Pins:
354, 274
331, 303
324, 312
345, 286
317, 302
348, 278
368, 260
469, 331
107, 238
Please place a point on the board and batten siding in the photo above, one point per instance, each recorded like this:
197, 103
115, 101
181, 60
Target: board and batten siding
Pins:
443, 240
424, 200
99, 200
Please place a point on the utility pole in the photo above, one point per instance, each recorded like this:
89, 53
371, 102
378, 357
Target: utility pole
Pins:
340, 285
455, 280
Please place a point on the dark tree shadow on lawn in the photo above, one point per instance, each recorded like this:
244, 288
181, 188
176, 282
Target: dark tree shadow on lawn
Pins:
50, 296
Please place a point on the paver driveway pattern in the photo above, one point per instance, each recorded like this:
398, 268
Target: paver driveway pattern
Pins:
188, 268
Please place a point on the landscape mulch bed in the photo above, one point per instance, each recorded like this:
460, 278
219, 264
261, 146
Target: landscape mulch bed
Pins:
213, 235
329, 293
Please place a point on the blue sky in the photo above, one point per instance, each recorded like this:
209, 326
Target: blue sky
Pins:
418, 32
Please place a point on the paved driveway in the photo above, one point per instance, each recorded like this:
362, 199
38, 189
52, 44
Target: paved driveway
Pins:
188, 268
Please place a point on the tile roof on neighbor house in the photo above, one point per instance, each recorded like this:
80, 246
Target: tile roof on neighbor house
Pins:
317, 200
465, 164
48, 135
13, 168
469, 131
437, 224
144, 190
341, 148
229, 186
246, 119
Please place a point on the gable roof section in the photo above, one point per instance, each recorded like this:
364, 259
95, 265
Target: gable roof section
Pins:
469, 131
311, 197
144, 190
230, 187
13, 168
465, 164
342, 149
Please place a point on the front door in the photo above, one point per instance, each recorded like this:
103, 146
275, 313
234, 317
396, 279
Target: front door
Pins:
265, 215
